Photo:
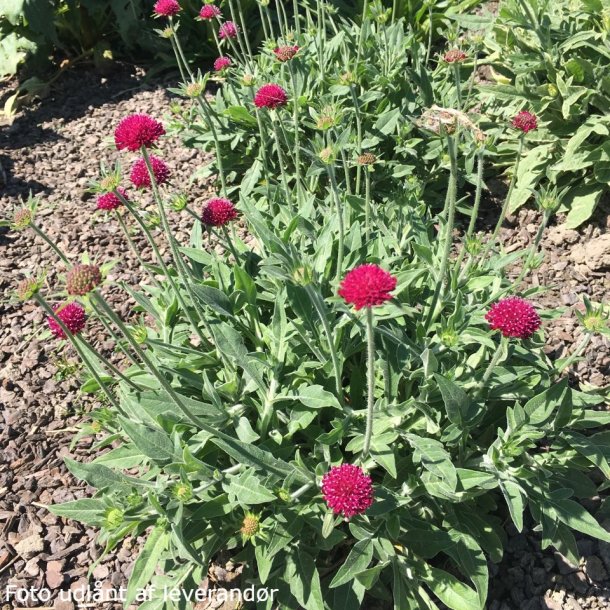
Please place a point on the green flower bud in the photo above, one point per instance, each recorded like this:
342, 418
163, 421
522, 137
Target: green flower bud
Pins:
113, 518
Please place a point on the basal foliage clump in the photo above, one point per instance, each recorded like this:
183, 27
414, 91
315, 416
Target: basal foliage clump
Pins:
352, 399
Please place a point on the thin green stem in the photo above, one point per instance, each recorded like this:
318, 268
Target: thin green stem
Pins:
367, 205
178, 61
363, 23
500, 351
448, 233
49, 310
297, 138
533, 249
513, 180
50, 242
135, 249
458, 86
297, 22
582, 346
339, 210
280, 157
370, 376
359, 135
181, 53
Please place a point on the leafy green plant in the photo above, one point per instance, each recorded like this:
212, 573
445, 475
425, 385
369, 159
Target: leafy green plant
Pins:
342, 340
554, 57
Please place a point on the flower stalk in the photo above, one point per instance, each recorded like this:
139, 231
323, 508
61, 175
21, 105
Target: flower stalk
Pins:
370, 377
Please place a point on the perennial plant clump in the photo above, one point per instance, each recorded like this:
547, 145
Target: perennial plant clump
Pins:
328, 399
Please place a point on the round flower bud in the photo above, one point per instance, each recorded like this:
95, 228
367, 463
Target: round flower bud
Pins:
347, 490
182, 492
366, 159
27, 288
73, 317
250, 526
114, 518
525, 121
454, 56
209, 12
270, 96
22, 219
222, 63
326, 155
514, 317
194, 90
228, 30
82, 279
367, 286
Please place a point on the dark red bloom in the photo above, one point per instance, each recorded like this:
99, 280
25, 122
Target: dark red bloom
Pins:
270, 96
347, 490
109, 201
82, 279
286, 53
525, 121
455, 55
218, 212
167, 8
367, 286
139, 172
72, 315
514, 317
209, 11
222, 63
228, 30
137, 130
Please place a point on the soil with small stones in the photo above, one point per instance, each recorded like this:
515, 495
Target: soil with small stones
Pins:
54, 150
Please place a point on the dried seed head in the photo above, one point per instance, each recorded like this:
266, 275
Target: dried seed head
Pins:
327, 155
27, 288
82, 279
22, 219
250, 526
366, 159
194, 89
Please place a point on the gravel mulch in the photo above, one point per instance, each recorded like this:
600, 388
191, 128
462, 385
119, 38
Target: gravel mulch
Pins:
55, 150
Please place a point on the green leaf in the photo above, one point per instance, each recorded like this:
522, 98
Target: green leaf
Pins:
88, 510
540, 408
154, 443
460, 409
316, 397
434, 458
577, 518
101, 477
357, 561
247, 489
302, 576
241, 115
587, 447
214, 298
451, 591
146, 563
582, 202
516, 504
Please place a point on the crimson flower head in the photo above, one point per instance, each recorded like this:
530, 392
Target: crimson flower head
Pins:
286, 53
222, 63
209, 12
82, 279
514, 317
367, 286
72, 315
525, 121
139, 172
270, 96
228, 30
454, 56
167, 8
217, 212
137, 130
348, 491
109, 201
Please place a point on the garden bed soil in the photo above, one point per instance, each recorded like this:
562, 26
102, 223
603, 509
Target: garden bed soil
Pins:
54, 150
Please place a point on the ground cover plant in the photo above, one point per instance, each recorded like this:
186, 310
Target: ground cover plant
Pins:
353, 397
555, 57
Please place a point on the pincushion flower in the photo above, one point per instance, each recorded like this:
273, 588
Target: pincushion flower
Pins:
72, 315
514, 317
217, 212
228, 30
348, 491
367, 286
454, 56
166, 8
222, 63
525, 121
270, 96
139, 172
209, 12
137, 130
110, 201
82, 279
286, 53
